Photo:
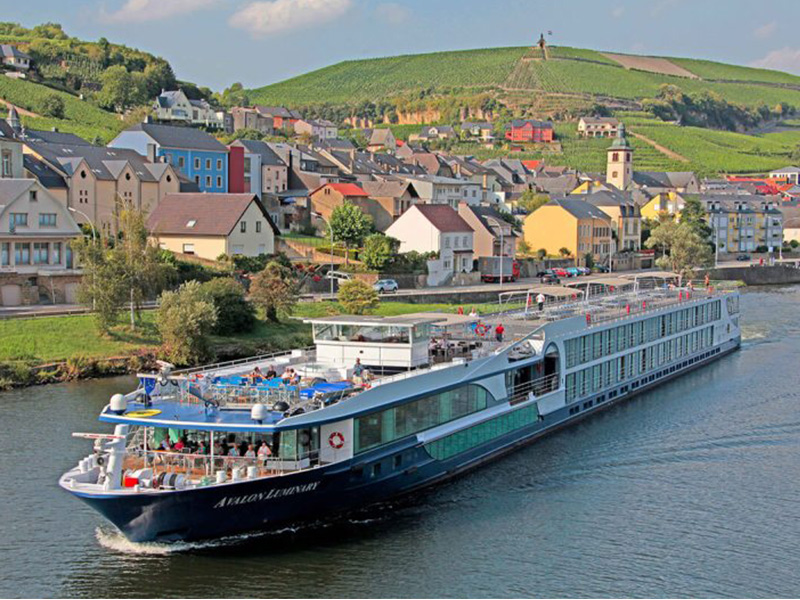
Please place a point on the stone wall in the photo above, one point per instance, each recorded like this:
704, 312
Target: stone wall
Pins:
756, 275
39, 289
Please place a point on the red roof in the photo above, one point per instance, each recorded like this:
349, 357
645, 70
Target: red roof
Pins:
443, 217
532, 164
345, 189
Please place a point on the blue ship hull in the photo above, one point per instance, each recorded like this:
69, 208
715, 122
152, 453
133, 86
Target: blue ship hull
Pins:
405, 466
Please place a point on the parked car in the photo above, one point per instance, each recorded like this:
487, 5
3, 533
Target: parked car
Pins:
337, 275
549, 278
384, 286
743, 257
585, 270
560, 272
601, 268
574, 271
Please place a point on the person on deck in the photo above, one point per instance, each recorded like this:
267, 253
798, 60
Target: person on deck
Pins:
179, 445
540, 301
499, 331
271, 372
256, 375
251, 452
358, 368
287, 375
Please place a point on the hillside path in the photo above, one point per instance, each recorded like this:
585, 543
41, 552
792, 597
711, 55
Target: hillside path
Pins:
22, 112
664, 150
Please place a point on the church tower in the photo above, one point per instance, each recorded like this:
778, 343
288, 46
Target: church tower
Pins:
619, 166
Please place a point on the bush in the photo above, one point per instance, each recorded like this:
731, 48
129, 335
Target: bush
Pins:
235, 314
379, 250
357, 297
53, 106
275, 290
185, 319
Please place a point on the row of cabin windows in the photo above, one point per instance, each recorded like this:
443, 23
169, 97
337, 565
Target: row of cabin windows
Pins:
36, 253
609, 373
616, 339
383, 427
474, 436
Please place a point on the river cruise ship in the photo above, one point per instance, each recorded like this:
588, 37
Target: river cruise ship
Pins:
383, 406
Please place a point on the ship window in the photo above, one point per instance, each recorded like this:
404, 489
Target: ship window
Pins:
398, 461
376, 470
386, 426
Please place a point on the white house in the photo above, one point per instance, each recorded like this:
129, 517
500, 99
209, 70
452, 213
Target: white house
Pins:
176, 106
434, 189
790, 174
13, 57
436, 228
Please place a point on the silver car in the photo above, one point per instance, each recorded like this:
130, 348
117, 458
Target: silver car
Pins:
384, 286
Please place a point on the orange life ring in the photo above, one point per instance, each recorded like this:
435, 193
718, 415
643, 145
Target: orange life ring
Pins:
336, 440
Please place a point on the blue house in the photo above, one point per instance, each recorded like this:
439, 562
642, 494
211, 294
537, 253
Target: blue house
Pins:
197, 155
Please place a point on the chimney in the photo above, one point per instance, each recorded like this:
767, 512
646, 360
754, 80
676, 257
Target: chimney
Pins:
54, 129
151, 153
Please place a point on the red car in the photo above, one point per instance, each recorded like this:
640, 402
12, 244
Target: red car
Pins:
561, 272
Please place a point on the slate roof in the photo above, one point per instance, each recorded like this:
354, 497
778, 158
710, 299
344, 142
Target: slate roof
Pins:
54, 137
487, 215
105, 163
42, 172
213, 214
668, 179
443, 217
10, 51
579, 208
789, 169
600, 120
6, 133
188, 138
277, 111
268, 155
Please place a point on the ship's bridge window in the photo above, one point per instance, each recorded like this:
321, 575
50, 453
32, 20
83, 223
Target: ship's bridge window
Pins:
392, 424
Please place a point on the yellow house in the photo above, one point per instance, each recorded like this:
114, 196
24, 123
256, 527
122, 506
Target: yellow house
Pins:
665, 203
576, 225
208, 225
592, 186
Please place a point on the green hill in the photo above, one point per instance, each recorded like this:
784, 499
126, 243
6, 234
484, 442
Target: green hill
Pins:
505, 71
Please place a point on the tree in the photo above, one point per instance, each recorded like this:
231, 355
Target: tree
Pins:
101, 287
350, 225
357, 297
530, 201
541, 253
53, 106
118, 88
379, 250
523, 248
159, 76
274, 290
565, 252
694, 215
235, 314
683, 250
185, 319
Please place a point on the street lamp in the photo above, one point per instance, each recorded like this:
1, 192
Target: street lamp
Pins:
330, 273
91, 224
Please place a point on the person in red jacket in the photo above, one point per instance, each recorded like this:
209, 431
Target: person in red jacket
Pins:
499, 331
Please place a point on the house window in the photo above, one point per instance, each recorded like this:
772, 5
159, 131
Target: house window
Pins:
188, 248
181, 162
457, 242
19, 219
191, 223
466, 241
219, 164
208, 181
5, 254
208, 164
5, 169
56, 253
446, 242
197, 179
219, 182
615, 156
41, 253
238, 250
258, 226
32, 196
22, 253
243, 226
197, 164
47, 219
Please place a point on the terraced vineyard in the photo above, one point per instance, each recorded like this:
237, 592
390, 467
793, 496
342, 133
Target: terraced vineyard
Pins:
80, 118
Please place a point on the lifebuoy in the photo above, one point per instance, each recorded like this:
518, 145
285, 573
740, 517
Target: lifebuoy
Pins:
336, 440
481, 329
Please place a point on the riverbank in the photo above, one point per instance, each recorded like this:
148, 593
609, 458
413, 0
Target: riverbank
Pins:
66, 348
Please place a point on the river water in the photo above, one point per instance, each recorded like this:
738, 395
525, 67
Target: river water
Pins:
688, 490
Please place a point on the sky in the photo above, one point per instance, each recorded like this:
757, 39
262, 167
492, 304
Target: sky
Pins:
257, 42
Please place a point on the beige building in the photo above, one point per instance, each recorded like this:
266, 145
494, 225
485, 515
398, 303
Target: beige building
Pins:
493, 236
625, 215
95, 180
598, 127
209, 225
36, 262
576, 225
